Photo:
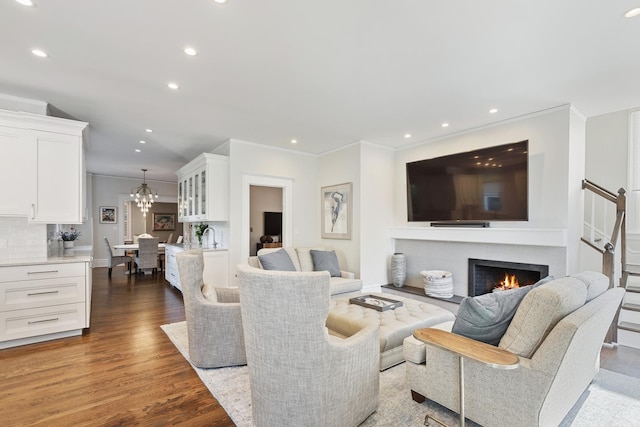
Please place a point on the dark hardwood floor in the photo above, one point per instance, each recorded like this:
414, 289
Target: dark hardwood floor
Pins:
123, 372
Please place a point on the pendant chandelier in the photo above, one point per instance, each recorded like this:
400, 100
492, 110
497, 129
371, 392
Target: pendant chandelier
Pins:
144, 194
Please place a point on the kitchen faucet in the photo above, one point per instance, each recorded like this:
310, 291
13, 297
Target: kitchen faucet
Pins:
206, 231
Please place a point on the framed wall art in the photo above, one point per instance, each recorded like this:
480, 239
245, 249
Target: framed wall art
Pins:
337, 203
164, 222
108, 215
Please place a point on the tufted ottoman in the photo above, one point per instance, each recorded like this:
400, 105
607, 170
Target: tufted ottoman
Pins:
346, 319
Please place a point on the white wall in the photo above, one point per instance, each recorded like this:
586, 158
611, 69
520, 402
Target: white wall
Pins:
105, 192
556, 170
339, 167
376, 207
548, 135
246, 158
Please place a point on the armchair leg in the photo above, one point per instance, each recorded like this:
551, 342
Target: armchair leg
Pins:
110, 272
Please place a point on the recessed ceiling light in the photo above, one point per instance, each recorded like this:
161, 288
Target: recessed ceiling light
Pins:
632, 13
148, 130
190, 51
26, 3
294, 141
493, 110
143, 141
172, 85
407, 135
138, 150
445, 125
220, 1
40, 53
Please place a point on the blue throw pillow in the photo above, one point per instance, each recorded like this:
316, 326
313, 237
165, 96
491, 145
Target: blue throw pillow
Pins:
486, 317
325, 261
278, 260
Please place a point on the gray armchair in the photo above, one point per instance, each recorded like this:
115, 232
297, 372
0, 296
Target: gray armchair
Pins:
299, 374
113, 261
214, 323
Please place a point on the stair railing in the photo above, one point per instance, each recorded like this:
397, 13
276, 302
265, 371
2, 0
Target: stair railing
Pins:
609, 249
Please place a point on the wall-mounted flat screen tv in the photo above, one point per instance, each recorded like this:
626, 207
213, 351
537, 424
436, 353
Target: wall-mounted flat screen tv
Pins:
489, 184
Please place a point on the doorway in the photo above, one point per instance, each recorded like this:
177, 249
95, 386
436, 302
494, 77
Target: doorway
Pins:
265, 216
285, 186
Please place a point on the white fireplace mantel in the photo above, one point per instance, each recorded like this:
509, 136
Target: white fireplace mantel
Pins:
553, 237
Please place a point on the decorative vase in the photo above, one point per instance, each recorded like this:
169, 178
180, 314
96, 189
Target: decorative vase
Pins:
398, 269
68, 244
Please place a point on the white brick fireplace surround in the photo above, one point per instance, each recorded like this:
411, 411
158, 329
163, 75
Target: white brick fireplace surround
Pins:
429, 248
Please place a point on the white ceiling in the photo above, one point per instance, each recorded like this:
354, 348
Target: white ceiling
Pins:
326, 73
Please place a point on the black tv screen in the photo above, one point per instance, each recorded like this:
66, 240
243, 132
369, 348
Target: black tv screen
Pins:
272, 223
490, 184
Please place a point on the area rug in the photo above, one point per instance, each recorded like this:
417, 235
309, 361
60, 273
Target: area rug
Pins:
612, 399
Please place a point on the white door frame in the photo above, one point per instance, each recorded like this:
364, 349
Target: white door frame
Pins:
286, 184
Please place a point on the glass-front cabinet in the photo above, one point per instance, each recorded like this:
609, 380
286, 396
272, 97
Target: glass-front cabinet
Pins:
203, 189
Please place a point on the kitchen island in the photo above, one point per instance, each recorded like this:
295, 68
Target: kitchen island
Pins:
216, 264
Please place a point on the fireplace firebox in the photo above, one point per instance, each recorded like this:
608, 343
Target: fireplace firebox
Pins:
485, 275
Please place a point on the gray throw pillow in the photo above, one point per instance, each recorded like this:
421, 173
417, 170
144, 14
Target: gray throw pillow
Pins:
278, 260
325, 261
486, 317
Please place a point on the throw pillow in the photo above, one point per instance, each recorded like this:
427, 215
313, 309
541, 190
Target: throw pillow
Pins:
326, 261
278, 260
486, 317
539, 313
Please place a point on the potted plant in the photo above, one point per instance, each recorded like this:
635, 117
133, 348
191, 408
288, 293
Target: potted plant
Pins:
200, 231
69, 237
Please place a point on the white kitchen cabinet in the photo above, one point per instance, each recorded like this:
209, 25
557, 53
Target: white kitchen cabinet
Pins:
171, 266
216, 267
203, 189
44, 301
45, 154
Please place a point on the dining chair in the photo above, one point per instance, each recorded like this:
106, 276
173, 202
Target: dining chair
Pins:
113, 261
170, 238
147, 254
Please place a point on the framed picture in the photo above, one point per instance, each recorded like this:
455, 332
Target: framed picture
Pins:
336, 202
108, 215
164, 222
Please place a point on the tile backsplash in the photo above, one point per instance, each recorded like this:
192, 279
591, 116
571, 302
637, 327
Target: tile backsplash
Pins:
21, 240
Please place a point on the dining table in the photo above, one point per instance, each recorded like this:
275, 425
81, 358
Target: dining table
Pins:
134, 246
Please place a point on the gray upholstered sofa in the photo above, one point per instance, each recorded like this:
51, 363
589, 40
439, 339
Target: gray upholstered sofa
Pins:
302, 261
557, 332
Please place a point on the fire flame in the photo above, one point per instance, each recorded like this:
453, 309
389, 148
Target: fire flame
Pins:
509, 282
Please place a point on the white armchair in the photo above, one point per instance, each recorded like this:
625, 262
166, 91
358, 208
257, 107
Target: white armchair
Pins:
299, 375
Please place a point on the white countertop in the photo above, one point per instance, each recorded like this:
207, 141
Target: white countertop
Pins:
75, 256
187, 246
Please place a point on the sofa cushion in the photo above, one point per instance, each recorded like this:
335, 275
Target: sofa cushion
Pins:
486, 317
596, 283
304, 256
293, 254
325, 260
539, 312
278, 260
